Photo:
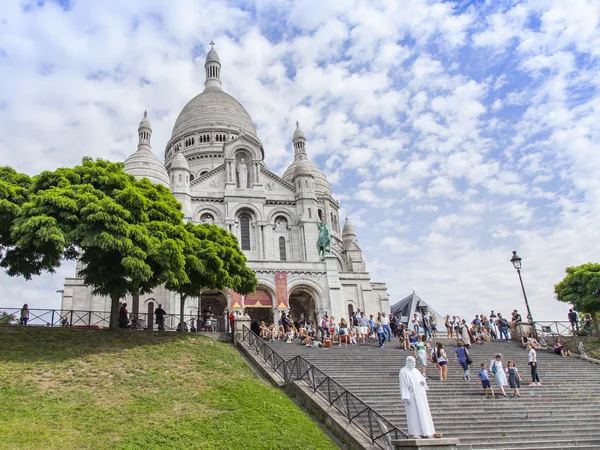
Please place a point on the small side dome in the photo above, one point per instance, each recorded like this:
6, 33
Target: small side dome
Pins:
304, 167
348, 229
179, 162
321, 183
145, 164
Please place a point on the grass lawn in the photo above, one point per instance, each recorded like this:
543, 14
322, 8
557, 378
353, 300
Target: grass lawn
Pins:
77, 389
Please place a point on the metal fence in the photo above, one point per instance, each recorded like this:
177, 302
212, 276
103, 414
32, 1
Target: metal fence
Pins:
573, 338
101, 319
380, 430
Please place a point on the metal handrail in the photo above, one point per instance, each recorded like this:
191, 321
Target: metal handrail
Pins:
369, 421
99, 319
549, 327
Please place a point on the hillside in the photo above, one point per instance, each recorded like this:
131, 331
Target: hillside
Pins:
69, 388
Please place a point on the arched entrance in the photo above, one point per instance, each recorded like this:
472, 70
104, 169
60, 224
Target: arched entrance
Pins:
211, 311
302, 301
259, 306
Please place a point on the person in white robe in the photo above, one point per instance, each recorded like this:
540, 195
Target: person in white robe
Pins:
413, 391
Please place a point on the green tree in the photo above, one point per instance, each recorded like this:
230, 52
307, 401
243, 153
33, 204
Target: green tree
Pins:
129, 234
14, 191
213, 261
581, 288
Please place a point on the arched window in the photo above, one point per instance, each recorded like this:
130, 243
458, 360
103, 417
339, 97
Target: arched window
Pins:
191, 177
350, 310
245, 231
332, 221
306, 183
320, 213
180, 178
309, 213
282, 254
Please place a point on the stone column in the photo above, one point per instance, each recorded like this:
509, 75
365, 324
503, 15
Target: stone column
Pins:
335, 303
238, 325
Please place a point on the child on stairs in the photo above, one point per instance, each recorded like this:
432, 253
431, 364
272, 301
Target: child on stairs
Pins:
514, 378
484, 376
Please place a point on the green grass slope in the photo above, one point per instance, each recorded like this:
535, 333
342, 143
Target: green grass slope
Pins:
77, 389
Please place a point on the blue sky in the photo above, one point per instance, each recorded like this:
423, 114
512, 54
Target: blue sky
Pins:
452, 132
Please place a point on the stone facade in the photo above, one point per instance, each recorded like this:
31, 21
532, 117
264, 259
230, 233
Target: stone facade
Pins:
214, 165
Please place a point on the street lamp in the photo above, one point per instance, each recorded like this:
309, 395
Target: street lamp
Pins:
516, 261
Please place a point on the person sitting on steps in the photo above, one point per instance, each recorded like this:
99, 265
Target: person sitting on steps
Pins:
560, 349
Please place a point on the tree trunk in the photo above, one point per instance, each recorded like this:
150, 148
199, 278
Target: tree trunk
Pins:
114, 311
596, 327
181, 314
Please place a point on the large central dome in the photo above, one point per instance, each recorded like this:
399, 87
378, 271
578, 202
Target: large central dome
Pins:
213, 108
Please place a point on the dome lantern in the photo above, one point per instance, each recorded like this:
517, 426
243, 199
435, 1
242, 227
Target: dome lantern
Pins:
299, 143
145, 130
213, 68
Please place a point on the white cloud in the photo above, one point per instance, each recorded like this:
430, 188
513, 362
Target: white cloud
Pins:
468, 132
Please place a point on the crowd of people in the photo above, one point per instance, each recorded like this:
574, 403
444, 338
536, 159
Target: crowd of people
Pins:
417, 336
328, 332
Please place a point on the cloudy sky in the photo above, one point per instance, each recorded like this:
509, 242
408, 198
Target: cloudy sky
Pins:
452, 132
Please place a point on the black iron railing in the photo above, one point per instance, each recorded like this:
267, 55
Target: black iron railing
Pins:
101, 319
572, 339
380, 430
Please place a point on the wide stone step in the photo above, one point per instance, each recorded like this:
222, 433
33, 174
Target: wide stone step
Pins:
562, 413
536, 444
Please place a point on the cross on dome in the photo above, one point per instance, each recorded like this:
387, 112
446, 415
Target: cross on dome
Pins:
212, 44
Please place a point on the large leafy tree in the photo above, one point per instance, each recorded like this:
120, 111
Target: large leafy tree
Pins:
581, 288
128, 233
213, 261
14, 192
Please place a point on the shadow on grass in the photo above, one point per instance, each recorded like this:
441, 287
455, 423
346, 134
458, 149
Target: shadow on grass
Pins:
40, 344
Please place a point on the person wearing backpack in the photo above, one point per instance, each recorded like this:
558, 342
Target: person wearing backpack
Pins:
462, 354
502, 326
574, 320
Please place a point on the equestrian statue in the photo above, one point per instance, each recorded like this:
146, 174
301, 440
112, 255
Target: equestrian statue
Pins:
324, 241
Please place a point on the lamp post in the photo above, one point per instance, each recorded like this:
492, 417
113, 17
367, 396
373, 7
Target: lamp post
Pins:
516, 261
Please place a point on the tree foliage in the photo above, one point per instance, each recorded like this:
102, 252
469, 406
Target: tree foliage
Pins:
128, 233
14, 191
214, 260
581, 288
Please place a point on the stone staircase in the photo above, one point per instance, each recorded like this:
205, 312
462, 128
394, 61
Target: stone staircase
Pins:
563, 413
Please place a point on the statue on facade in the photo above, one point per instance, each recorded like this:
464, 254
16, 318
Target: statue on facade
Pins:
324, 241
207, 218
413, 391
242, 170
280, 224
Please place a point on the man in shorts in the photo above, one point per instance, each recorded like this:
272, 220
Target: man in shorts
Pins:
363, 328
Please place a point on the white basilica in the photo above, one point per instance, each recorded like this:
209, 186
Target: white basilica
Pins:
214, 165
